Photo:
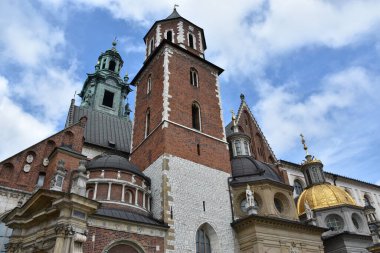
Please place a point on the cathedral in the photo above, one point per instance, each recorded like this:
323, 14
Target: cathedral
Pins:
176, 178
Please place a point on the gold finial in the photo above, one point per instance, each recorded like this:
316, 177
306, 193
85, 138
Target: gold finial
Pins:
233, 117
114, 42
304, 144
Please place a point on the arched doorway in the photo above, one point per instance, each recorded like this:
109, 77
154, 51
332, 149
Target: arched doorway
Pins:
123, 247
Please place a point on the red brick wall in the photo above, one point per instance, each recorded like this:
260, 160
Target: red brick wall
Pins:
175, 140
18, 179
258, 146
103, 237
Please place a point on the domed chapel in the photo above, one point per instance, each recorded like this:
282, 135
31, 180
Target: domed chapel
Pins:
175, 179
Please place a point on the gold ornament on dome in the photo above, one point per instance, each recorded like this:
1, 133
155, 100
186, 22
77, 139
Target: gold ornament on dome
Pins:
322, 196
309, 158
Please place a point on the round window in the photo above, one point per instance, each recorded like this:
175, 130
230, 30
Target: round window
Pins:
334, 222
244, 205
278, 204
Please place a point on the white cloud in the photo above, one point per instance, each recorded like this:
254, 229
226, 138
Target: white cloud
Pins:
19, 129
335, 117
25, 37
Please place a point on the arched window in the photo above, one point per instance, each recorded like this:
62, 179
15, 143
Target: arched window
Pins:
104, 63
147, 122
203, 242
191, 41
128, 196
6, 171
298, 189
169, 36
335, 222
151, 46
246, 148
238, 147
196, 116
149, 85
194, 77
112, 65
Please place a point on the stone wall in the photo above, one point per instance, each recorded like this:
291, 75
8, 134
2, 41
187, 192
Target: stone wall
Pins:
191, 195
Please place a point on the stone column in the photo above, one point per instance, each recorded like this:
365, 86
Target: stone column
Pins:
123, 194
144, 199
109, 191
95, 191
136, 196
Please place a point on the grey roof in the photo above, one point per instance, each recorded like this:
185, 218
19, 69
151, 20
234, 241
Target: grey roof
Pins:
174, 15
114, 162
247, 169
104, 129
130, 216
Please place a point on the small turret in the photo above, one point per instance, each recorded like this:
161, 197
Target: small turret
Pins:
239, 142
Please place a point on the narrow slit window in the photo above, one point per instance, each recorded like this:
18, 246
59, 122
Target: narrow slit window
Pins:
196, 116
147, 123
108, 98
151, 46
149, 85
191, 40
198, 149
194, 77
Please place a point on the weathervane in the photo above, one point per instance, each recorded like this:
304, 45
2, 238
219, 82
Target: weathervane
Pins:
175, 6
304, 144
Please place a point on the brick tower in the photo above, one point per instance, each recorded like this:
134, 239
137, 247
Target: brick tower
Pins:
179, 139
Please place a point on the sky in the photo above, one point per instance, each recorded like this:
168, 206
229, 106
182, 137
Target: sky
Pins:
304, 66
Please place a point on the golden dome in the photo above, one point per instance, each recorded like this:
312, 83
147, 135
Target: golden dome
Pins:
323, 195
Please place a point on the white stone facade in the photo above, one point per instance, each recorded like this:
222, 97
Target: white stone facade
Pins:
9, 199
190, 184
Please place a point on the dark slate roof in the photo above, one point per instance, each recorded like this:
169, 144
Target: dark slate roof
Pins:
228, 129
103, 128
114, 162
174, 15
248, 169
130, 216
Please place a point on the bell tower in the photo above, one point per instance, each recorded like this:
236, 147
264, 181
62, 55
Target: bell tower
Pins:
104, 90
178, 136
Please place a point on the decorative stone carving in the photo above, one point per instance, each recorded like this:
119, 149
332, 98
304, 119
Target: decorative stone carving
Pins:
64, 229
308, 211
29, 159
80, 180
249, 197
133, 179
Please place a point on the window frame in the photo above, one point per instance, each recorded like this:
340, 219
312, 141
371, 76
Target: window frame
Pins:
104, 97
194, 77
149, 85
203, 242
147, 123
196, 119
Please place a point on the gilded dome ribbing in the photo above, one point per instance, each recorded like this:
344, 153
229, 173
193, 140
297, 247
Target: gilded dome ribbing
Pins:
322, 196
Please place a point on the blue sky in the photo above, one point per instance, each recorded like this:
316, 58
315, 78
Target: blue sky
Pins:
304, 66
